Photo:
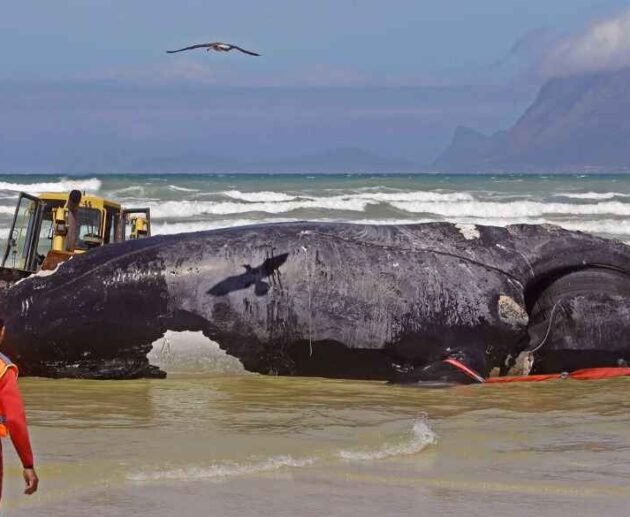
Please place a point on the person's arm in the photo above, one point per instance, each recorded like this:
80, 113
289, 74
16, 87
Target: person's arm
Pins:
15, 420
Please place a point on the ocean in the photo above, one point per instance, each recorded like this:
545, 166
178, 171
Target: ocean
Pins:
214, 440
188, 203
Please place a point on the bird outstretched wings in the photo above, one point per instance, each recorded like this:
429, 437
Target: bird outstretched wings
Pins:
252, 276
216, 45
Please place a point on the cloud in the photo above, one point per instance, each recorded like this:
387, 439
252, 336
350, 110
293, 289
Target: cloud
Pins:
603, 46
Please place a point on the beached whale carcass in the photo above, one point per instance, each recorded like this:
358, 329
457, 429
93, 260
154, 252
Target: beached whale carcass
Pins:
336, 300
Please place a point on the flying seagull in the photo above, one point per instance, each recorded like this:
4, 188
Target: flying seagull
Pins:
217, 45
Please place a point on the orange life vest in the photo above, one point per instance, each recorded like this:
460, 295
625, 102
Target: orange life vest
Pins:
5, 365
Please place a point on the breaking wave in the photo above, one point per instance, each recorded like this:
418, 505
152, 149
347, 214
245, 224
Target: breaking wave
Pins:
180, 209
166, 228
126, 190
591, 195
182, 189
515, 209
280, 202
63, 185
421, 437
420, 196
376, 197
259, 197
223, 470
440, 204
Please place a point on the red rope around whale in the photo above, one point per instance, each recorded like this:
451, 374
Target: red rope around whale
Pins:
587, 374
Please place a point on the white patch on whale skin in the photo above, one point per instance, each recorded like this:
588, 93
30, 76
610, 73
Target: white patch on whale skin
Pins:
511, 312
469, 231
189, 351
43, 272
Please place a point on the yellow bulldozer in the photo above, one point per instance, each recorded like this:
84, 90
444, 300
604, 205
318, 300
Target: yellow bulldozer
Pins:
37, 240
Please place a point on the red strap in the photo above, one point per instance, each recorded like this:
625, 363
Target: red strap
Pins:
599, 373
587, 374
461, 366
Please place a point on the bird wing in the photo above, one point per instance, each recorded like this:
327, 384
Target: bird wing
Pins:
271, 264
192, 47
245, 51
232, 283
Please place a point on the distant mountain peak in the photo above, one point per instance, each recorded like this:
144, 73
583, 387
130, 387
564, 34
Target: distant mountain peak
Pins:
576, 123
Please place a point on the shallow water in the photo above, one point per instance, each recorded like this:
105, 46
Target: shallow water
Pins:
250, 445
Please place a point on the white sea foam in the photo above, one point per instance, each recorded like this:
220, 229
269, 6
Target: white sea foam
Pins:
591, 195
224, 470
167, 228
259, 197
63, 185
126, 190
380, 197
607, 226
420, 196
182, 189
421, 437
515, 209
180, 209
280, 202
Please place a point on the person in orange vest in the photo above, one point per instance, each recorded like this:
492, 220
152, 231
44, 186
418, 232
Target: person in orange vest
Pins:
13, 420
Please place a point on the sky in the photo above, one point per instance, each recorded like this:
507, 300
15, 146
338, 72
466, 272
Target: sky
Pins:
88, 82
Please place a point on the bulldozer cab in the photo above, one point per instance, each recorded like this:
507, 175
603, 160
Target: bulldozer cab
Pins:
20, 251
37, 239
138, 222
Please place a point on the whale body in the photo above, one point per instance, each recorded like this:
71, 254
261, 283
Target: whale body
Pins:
333, 300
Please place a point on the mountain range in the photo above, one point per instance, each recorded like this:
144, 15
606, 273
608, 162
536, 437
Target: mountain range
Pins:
576, 124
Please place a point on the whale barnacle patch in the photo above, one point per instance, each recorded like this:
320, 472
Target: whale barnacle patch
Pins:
511, 312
